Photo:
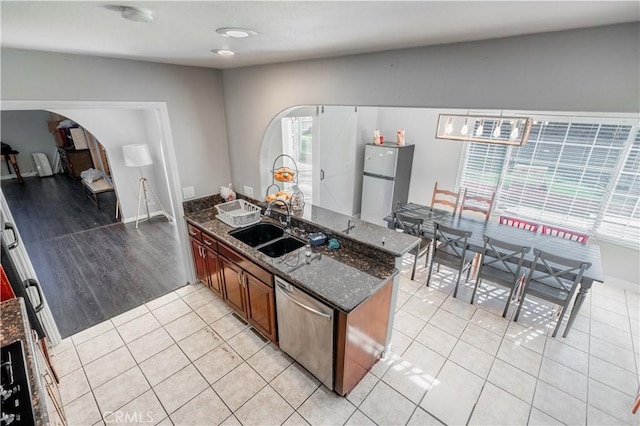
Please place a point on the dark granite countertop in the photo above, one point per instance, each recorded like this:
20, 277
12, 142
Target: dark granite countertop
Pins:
15, 326
396, 243
342, 278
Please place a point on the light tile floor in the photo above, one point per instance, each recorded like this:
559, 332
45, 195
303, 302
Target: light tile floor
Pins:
184, 359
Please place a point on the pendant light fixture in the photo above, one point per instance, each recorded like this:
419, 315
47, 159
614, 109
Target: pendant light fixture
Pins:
514, 130
480, 129
465, 127
497, 131
458, 127
449, 127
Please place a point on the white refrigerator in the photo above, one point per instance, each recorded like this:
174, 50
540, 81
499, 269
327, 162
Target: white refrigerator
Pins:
387, 174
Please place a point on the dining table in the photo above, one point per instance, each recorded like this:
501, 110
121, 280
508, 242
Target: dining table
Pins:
558, 246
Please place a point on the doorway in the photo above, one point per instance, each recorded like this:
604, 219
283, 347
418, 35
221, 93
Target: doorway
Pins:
113, 251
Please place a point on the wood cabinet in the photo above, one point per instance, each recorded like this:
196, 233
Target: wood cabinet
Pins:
233, 285
260, 307
205, 259
361, 336
243, 285
249, 290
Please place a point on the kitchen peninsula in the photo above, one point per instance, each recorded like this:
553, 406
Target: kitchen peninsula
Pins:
358, 282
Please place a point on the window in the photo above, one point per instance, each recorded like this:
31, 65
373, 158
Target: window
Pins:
580, 175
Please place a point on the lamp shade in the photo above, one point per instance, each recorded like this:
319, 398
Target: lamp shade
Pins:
137, 155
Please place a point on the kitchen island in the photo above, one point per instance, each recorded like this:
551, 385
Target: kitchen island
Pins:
359, 281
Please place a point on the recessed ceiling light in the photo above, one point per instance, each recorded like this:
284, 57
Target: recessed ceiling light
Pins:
224, 52
136, 15
236, 32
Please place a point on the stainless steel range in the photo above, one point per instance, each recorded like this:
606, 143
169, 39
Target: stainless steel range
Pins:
14, 387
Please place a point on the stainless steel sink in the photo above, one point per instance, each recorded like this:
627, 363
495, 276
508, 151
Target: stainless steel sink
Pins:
258, 234
281, 246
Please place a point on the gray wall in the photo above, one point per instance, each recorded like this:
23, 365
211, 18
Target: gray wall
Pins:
193, 97
26, 132
593, 70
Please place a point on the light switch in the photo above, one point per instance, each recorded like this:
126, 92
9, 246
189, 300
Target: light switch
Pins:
248, 191
188, 192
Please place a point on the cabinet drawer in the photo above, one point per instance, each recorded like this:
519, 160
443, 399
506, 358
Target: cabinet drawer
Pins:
246, 264
209, 242
195, 232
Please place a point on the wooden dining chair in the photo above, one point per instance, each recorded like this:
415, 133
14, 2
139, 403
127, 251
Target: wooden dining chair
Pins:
554, 279
445, 197
477, 204
413, 226
564, 233
519, 223
450, 249
501, 263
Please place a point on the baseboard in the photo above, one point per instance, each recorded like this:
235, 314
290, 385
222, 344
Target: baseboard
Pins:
13, 176
152, 214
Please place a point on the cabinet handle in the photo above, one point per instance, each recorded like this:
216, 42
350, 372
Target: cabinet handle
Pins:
193, 234
207, 242
10, 227
30, 282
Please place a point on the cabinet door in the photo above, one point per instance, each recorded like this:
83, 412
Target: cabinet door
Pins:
233, 285
260, 306
213, 271
199, 260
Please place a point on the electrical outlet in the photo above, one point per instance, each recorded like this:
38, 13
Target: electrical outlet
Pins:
188, 192
248, 191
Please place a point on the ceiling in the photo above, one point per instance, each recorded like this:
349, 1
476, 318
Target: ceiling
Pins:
183, 32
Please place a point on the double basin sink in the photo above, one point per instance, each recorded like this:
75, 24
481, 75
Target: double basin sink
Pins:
267, 238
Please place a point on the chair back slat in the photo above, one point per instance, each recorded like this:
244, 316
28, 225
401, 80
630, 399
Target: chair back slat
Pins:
451, 243
548, 267
445, 197
502, 255
519, 223
410, 225
565, 233
479, 204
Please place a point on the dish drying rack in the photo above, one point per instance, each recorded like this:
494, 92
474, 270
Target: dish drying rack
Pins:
238, 213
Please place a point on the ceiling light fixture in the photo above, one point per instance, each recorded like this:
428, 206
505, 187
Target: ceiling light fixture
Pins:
136, 15
236, 32
224, 52
458, 127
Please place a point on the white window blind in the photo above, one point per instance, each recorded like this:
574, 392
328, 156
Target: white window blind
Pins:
579, 175
621, 218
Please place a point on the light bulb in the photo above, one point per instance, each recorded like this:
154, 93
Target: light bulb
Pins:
480, 129
514, 130
449, 128
496, 132
465, 128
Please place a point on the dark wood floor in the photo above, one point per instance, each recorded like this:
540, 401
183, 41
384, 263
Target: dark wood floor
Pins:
90, 266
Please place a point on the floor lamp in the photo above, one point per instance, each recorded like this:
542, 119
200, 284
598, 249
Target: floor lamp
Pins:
138, 155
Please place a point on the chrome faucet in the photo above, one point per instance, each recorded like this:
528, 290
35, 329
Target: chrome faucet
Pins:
287, 221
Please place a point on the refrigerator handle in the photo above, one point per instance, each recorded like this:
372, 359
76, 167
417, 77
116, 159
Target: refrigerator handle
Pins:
321, 174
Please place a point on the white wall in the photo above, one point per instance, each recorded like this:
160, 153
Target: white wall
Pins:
433, 159
593, 70
193, 97
26, 132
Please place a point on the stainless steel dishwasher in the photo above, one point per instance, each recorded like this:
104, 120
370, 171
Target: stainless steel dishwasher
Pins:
305, 330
